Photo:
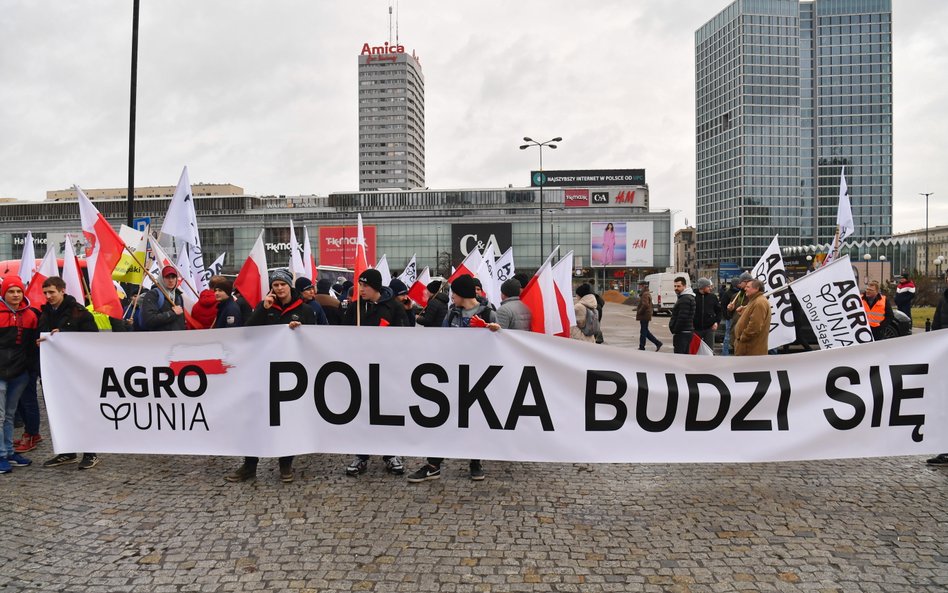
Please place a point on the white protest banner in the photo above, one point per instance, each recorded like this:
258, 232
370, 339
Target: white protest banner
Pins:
832, 304
468, 393
771, 271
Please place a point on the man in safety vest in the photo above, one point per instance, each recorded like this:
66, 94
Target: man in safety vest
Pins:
878, 310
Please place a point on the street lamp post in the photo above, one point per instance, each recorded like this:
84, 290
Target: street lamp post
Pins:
938, 262
926, 194
549, 143
866, 257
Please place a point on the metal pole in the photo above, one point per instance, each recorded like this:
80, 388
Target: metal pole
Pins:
130, 214
542, 183
926, 229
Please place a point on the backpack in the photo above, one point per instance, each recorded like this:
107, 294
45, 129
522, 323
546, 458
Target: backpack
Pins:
591, 327
138, 324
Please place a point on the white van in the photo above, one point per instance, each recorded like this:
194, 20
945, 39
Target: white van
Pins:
662, 287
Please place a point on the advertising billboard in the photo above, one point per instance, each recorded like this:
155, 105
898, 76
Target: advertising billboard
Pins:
576, 198
337, 245
621, 244
465, 237
587, 178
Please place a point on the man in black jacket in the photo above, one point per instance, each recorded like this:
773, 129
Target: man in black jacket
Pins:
707, 312
62, 313
437, 307
281, 306
169, 316
682, 323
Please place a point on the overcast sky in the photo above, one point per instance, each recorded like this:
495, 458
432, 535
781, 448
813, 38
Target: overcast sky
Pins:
263, 94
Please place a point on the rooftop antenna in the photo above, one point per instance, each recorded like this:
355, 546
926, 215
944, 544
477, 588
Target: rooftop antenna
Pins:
396, 22
389, 22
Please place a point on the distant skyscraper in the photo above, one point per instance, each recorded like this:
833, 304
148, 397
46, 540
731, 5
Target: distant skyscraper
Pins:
787, 92
391, 119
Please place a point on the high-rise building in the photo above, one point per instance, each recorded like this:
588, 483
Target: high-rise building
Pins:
391, 119
788, 92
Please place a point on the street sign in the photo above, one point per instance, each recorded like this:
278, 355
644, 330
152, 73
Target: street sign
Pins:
140, 224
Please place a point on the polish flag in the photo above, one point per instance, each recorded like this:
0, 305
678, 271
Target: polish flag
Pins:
563, 283
308, 262
470, 266
71, 273
47, 269
417, 291
361, 260
107, 249
297, 267
699, 347
382, 267
539, 295
253, 281
28, 261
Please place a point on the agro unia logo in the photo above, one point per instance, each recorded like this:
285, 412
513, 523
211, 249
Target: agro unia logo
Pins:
164, 398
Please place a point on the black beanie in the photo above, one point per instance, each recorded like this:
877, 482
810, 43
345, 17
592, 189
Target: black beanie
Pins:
373, 278
398, 287
434, 287
583, 289
510, 288
303, 283
323, 285
463, 286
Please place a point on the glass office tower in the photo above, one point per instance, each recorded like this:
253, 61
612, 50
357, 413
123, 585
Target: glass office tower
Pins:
787, 92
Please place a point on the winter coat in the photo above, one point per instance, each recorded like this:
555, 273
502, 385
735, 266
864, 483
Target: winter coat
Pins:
204, 311
587, 303
683, 313
904, 294
18, 333
70, 316
753, 328
331, 308
433, 315
278, 314
456, 317
940, 320
878, 332
321, 318
731, 294
372, 314
228, 314
707, 310
513, 314
163, 319
643, 312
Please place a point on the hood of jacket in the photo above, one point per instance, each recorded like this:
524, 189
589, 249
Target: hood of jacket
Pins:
687, 290
589, 301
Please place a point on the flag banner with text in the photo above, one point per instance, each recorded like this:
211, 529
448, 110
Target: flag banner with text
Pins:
771, 271
831, 302
468, 393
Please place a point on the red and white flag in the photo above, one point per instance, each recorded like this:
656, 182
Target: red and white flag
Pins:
107, 249
699, 347
410, 274
181, 222
470, 266
253, 280
47, 269
71, 273
382, 267
563, 282
417, 291
539, 295
308, 262
297, 267
361, 260
28, 261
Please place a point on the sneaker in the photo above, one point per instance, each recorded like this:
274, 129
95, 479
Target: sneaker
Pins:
394, 465
89, 461
427, 472
27, 443
286, 473
5, 466
61, 459
17, 460
477, 472
243, 473
358, 466
941, 459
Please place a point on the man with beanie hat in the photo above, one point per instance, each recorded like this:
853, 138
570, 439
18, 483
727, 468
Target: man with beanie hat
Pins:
376, 307
158, 313
707, 311
329, 303
682, 322
734, 298
433, 314
304, 286
512, 313
400, 292
464, 309
228, 311
282, 305
18, 335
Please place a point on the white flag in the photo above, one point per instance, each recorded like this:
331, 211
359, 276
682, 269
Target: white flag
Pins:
504, 267
71, 272
181, 222
771, 271
844, 212
563, 282
832, 304
308, 262
410, 274
215, 268
297, 268
28, 261
382, 267
485, 273
189, 293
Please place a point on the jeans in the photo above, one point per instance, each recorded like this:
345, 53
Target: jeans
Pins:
645, 334
10, 390
28, 407
682, 342
726, 345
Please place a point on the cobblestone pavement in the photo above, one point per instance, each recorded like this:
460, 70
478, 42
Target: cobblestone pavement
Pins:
164, 523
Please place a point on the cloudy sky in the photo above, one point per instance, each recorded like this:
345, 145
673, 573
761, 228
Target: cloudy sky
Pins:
263, 94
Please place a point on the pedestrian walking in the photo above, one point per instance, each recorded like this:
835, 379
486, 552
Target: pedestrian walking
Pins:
904, 295
643, 314
682, 322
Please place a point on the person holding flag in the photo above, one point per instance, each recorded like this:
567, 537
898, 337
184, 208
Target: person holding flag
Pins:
157, 312
437, 308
